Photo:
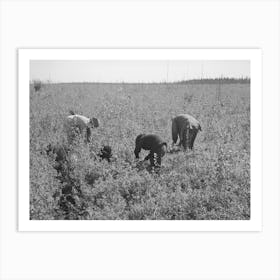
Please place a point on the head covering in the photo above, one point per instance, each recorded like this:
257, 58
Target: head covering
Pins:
95, 122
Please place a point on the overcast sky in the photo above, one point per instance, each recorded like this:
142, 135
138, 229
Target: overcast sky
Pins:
135, 71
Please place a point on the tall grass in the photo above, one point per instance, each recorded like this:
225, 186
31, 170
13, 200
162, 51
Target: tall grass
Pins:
212, 182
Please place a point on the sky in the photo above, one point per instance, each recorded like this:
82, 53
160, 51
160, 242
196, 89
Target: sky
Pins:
133, 71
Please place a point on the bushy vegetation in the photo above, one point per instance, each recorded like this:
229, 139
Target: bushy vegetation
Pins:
222, 80
212, 182
37, 85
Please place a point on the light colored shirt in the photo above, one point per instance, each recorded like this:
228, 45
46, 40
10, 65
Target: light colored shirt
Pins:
79, 119
185, 119
74, 122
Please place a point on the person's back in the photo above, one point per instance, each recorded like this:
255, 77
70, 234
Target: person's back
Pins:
186, 128
78, 120
152, 143
77, 125
186, 119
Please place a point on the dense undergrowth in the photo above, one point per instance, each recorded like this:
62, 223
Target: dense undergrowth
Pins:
212, 182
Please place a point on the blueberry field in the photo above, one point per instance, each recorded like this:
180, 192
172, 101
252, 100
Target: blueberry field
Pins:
211, 182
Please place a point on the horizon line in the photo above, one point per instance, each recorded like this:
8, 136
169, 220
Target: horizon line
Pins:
143, 82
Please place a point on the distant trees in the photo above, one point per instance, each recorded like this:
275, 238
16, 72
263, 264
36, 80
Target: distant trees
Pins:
222, 80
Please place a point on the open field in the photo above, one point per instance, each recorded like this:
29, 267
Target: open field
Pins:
212, 182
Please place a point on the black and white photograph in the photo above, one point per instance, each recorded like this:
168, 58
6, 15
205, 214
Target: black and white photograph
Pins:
140, 139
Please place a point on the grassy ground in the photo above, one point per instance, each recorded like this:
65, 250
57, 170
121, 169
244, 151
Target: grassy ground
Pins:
211, 182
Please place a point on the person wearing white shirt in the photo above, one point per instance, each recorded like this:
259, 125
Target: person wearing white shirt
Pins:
79, 126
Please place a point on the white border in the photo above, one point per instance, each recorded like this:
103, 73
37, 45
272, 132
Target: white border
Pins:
254, 55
